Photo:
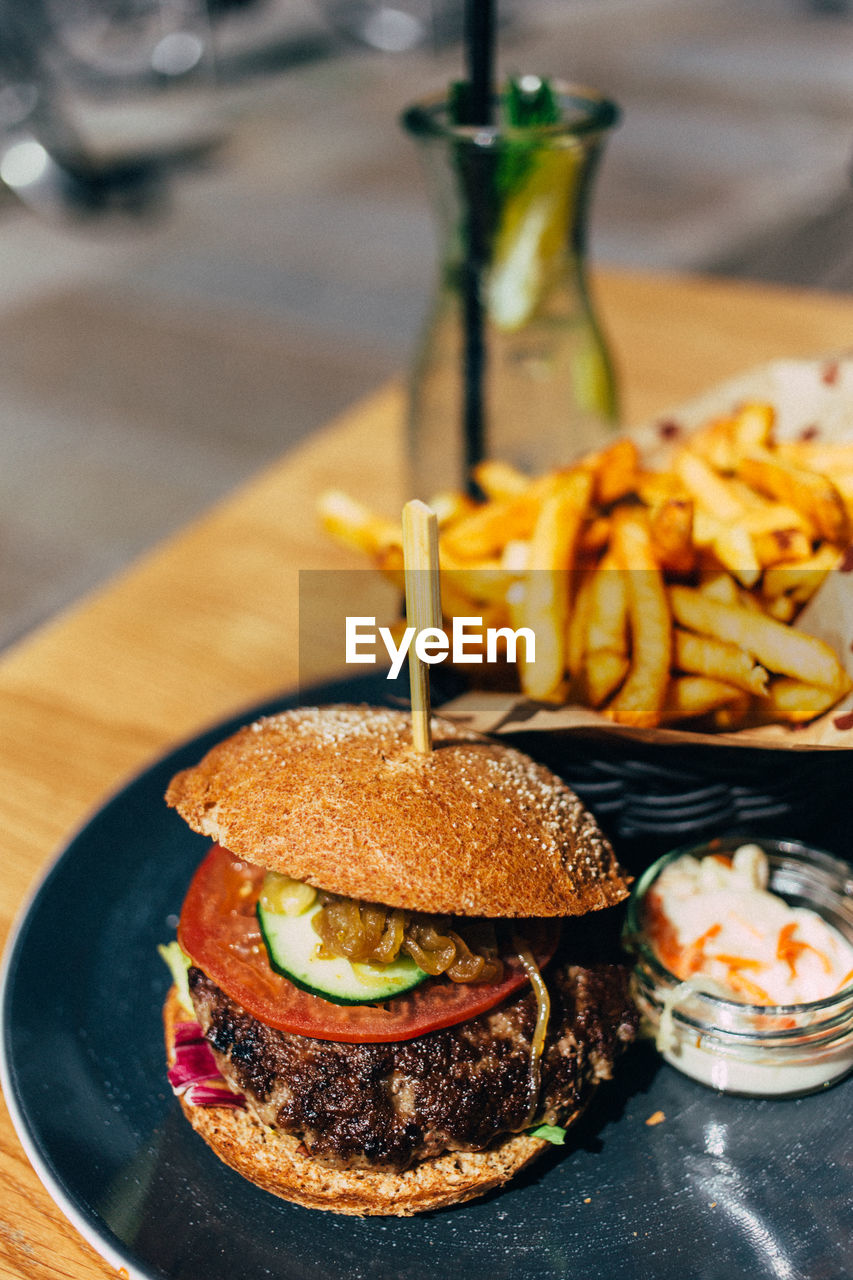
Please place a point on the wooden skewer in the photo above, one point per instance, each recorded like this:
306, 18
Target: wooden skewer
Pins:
423, 607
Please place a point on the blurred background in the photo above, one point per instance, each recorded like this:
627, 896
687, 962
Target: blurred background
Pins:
214, 234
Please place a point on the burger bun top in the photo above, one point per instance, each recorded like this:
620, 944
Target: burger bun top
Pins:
338, 797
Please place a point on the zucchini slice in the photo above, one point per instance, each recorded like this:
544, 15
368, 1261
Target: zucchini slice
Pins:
292, 946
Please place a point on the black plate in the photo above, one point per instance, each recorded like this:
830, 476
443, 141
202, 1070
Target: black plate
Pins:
722, 1187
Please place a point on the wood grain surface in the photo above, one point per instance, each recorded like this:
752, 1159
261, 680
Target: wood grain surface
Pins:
208, 622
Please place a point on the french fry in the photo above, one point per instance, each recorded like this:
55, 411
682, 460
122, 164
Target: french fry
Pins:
752, 426
812, 494
520, 616
458, 587
482, 534
500, 480
781, 546
456, 605
604, 671
656, 487
389, 562
722, 440
801, 580
607, 621
782, 608
515, 556
354, 525
478, 587
576, 636
672, 535
545, 605
606, 661
713, 442
813, 455
706, 656
732, 714
614, 469
795, 701
559, 522
719, 520
843, 481
730, 543
641, 697
763, 516
450, 507
709, 490
780, 649
487, 581
688, 697
719, 585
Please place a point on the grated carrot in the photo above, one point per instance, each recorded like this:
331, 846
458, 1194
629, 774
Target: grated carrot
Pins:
748, 988
695, 953
789, 949
784, 950
739, 962
821, 955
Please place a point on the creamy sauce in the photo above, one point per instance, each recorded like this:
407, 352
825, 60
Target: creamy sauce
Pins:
713, 922
752, 1074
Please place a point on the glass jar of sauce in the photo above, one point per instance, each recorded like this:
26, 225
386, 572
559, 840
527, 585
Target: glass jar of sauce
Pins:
738, 1036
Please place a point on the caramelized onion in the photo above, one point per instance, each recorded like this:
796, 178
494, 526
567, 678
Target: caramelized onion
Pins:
543, 1013
358, 930
366, 932
431, 951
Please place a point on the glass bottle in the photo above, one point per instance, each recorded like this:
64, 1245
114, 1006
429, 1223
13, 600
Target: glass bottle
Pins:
512, 363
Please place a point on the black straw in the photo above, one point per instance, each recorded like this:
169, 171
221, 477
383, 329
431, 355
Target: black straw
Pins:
480, 58
479, 54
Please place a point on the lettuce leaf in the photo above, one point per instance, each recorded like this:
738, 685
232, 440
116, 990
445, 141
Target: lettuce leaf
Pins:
550, 1132
178, 963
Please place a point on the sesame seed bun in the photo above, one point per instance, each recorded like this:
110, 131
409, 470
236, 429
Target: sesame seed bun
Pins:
338, 797
278, 1162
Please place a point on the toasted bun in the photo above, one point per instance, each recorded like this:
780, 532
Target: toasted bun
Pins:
338, 797
279, 1163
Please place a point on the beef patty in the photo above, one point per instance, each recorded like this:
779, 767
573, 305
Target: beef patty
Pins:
384, 1106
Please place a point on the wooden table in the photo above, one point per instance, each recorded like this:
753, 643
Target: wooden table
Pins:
206, 623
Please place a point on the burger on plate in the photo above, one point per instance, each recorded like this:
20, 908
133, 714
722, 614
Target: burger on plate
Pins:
385, 962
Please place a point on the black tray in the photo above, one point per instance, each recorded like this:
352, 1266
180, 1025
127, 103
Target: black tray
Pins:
650, 797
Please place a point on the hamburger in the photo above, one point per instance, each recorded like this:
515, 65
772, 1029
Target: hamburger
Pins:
388, 957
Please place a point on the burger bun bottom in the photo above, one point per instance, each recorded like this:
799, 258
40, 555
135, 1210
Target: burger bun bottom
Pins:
278, 1162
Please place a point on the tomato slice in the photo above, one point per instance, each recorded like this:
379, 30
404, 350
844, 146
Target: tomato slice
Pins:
219, 932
